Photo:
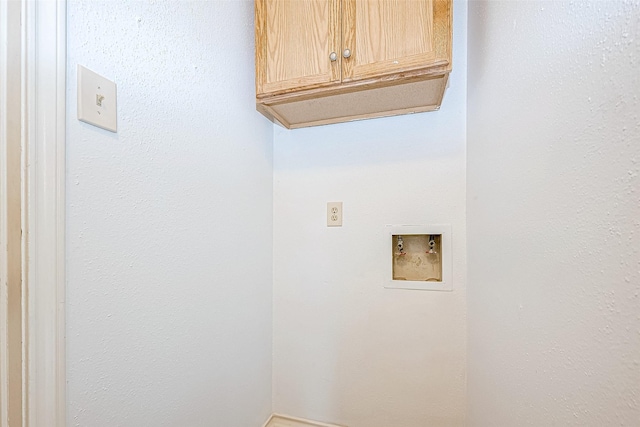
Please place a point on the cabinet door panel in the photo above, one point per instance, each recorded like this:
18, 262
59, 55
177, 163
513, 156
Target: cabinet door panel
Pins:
294, 39
389, 36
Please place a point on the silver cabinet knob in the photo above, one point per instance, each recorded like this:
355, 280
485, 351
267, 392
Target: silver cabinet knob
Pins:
346, 53
333, 56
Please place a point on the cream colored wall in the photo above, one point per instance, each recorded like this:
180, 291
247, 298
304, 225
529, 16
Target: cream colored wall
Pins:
347, 350
164, 310
553, 213
169, 221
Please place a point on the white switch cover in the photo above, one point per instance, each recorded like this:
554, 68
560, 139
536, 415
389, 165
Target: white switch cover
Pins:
96, 100
334, 214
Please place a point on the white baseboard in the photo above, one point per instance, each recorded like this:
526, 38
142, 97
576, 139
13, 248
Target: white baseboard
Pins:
277, 420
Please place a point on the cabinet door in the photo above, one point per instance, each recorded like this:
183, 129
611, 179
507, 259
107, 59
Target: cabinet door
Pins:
393, 36
294, 42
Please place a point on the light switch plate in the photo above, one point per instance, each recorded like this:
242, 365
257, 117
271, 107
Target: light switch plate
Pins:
96, 100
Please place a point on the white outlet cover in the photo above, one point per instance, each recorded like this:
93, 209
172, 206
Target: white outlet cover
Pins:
96, 100
334, 214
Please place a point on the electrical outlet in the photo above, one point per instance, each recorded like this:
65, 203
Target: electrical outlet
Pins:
334, 214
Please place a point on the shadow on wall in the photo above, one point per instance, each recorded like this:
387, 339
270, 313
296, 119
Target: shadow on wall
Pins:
392, 380
436, 135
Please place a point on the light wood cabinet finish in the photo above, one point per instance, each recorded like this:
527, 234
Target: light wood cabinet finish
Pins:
387, 37
297, 38
399, 58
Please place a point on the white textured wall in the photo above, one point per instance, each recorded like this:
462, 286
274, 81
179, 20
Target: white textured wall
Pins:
347, 350
169, 220
554, 213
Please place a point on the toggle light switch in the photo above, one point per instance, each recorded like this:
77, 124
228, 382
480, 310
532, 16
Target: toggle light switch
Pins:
96, 100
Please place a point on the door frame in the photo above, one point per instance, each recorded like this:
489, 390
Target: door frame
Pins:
11, 239
43, 127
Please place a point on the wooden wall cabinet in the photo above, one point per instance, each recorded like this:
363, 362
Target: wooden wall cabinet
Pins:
330, 61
